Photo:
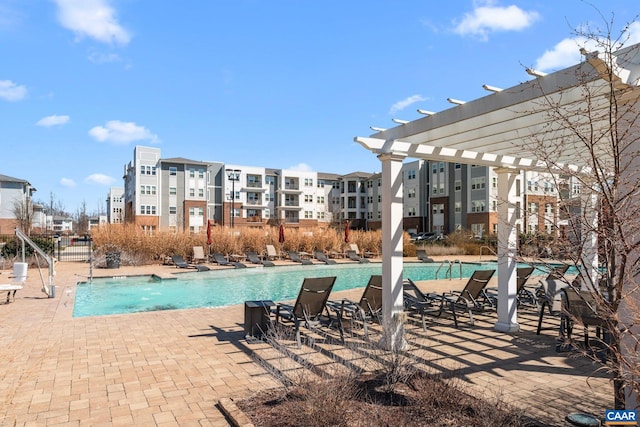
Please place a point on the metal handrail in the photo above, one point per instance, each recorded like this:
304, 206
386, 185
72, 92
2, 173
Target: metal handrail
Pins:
47, 289
490, 250
449, 272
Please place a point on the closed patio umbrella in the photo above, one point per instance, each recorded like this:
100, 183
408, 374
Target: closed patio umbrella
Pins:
209, 238
346, 232
281, 234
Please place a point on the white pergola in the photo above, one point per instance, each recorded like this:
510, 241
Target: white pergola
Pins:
509, 130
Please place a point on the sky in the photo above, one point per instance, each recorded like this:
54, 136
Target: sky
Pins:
280, 84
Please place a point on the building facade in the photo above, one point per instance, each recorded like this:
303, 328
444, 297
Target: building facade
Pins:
179, 194
16, 204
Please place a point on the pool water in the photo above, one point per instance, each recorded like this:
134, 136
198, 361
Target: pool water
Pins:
228, 287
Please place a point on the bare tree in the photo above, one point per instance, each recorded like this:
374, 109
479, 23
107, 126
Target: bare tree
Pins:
82, 218
601, 202
23, 212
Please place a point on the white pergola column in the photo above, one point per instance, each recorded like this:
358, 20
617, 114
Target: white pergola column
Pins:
507, 249
590, 242
392, 217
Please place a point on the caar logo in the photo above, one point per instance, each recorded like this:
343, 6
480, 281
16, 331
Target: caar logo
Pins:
622, 417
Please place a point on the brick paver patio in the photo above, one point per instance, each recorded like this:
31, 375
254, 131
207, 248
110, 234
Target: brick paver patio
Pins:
171, 367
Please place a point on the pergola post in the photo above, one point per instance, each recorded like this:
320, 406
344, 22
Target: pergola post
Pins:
507, 250
589, 241
392, 217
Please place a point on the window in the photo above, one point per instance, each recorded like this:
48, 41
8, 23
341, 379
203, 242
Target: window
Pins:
320, 215
308, 182
441, 167
308, 198
434, 168
457, 166
411, 211
320, 199
441, 188
147, 209
200, 173
477, 183
532, 207
434, 189
458, 207
200, 192
494, 182
411, 174
192, 192
458, 185
270, 180
173, 210
173, 170
308, 215
173, 191
411, 193
320, 183
192, 173
477, 206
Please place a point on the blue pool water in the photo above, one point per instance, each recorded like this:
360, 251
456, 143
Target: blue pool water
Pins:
229, 287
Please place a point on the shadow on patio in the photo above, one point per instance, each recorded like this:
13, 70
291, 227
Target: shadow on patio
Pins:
522, 369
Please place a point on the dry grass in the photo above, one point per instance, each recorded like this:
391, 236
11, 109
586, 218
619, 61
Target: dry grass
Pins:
139, 248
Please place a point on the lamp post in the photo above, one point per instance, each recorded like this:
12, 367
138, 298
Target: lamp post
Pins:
233, 175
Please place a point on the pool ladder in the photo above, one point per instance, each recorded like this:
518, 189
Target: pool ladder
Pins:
449, 271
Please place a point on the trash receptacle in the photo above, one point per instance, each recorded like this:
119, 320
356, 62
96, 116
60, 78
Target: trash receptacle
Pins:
256, 317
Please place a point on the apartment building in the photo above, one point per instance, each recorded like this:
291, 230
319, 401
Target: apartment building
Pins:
16, 203
181, 194
115, 205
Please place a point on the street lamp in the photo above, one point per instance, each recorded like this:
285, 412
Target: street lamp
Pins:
233, 175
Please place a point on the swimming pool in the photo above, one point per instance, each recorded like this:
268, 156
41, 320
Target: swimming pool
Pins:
228, 287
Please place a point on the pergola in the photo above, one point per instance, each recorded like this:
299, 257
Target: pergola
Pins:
509, 130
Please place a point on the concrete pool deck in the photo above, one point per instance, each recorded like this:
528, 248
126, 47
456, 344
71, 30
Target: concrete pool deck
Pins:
171, 367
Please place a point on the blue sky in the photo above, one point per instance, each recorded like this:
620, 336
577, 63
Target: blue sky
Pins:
281, 84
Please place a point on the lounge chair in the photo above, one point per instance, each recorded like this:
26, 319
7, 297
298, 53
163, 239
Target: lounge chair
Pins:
309, 306
255, 259
322, 257
198, 254
353, 256
415, 301
421, 254
295, 257
367, 309
473, 297
221, 260
523, 295
19, 277
179, 262
272, 254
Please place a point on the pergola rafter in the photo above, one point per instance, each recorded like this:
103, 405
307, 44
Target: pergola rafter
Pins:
510, 130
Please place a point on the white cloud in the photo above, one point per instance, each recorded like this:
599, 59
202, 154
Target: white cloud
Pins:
487, 18
53, 120
301, 167
67, 182
567, 52
401, 105
100, 179
10, 91
563, 55
92, 18
122, 133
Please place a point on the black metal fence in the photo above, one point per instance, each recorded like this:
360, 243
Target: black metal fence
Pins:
63, 248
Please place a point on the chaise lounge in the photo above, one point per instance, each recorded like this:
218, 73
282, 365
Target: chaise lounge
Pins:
309, 306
